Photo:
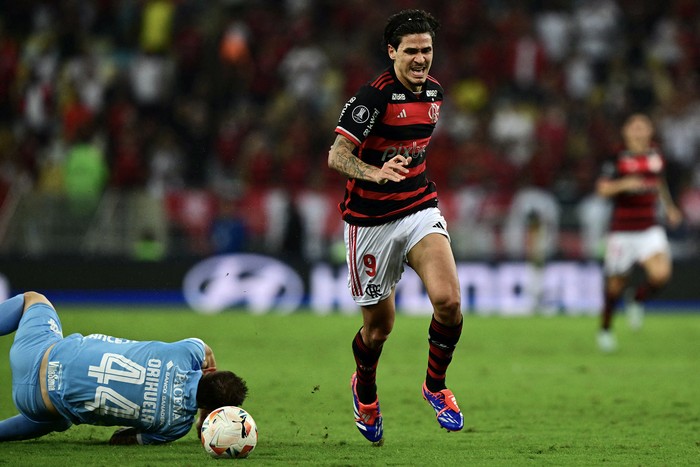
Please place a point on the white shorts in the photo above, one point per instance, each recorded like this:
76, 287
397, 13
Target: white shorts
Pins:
376, 255
624, 249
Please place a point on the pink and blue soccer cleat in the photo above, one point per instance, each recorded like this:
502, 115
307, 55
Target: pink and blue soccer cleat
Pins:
368, 417
446, 409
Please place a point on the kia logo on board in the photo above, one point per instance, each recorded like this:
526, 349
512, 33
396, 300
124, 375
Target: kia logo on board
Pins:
258, 283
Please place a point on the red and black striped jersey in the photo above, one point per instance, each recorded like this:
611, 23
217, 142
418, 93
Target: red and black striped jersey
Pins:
384, 119
634, 211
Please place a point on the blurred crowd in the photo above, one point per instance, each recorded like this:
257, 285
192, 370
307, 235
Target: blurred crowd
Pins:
239, 99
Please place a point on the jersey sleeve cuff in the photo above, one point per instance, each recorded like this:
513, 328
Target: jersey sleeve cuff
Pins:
348, 135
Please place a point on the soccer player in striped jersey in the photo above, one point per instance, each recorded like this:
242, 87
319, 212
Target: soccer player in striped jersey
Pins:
634, 180
391, 216
153, 390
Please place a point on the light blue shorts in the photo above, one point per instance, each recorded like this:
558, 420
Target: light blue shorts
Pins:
38, 329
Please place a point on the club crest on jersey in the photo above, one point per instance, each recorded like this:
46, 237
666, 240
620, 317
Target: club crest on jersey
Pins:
434, 112
360, 114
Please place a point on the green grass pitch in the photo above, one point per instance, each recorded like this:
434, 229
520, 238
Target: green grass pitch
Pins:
534, 391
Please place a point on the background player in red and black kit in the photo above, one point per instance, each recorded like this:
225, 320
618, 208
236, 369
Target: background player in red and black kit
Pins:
391, 215
634, 180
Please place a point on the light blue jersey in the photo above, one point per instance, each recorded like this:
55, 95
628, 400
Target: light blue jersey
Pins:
150, 385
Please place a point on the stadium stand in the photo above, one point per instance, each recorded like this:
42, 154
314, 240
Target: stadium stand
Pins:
228, 108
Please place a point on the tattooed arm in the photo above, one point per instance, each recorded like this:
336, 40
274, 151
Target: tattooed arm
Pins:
341, 158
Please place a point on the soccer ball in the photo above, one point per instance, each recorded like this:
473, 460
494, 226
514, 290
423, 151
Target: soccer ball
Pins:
229, 432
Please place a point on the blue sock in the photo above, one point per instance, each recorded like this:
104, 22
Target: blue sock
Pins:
10, 313
20, 427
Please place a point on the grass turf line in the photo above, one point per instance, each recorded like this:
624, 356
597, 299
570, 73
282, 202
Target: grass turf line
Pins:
535, 391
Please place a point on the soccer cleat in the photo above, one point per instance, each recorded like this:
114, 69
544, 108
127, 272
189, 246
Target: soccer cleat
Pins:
368, 417
606, 341
446, 409
634, 312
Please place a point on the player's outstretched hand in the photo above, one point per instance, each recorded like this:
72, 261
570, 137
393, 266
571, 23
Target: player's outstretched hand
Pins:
394, 169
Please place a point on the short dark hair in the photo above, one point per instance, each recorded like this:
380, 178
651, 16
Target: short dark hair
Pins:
220, 388
409, 22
